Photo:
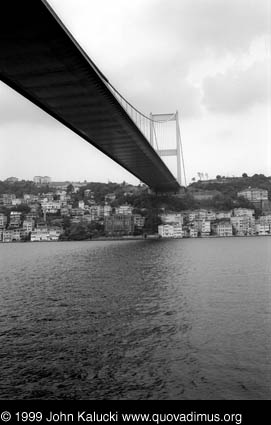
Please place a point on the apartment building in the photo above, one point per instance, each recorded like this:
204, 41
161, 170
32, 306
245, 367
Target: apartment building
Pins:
222, 229
15, 219
28, 225
3, 221
262, 229
170, 230
10, 235
50, 207
45, 234
254, 194
243, 225
119, 225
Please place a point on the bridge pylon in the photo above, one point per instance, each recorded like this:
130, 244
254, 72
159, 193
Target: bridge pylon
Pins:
177, 150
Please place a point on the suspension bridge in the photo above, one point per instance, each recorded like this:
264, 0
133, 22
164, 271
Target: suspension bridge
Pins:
42, 61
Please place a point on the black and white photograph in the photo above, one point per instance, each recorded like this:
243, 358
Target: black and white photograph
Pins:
135, 203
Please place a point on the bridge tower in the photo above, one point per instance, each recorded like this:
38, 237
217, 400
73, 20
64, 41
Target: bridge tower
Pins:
177, 150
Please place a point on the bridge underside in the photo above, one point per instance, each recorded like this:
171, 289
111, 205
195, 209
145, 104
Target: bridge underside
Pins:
42, 61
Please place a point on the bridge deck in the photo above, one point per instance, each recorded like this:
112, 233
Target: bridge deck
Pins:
42, 61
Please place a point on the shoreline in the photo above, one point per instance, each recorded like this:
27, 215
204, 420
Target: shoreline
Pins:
140, 238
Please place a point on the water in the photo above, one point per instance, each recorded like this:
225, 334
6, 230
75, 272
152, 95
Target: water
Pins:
178, 319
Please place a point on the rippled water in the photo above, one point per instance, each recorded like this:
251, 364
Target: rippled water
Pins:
178, 319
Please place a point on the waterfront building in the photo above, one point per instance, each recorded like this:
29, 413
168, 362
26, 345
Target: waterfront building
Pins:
45, 234
243, 225
193, 232
10, 235
119, 225
170, 230
222, 228
263, 229
3, 221
205, 228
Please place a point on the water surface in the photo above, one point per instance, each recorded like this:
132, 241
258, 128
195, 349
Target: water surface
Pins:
177, 319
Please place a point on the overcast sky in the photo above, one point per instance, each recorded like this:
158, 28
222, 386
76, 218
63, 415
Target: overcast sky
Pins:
209, 59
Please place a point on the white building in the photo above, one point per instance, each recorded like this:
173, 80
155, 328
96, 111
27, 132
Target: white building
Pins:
205, 228
16, 201
170, 231
262, 229
15, 219
45, 234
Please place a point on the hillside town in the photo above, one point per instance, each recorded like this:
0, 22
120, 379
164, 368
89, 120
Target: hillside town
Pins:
52, 211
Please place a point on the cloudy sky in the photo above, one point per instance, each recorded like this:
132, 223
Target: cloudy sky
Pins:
209, 59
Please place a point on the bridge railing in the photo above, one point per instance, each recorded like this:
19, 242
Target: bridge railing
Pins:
142, 121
